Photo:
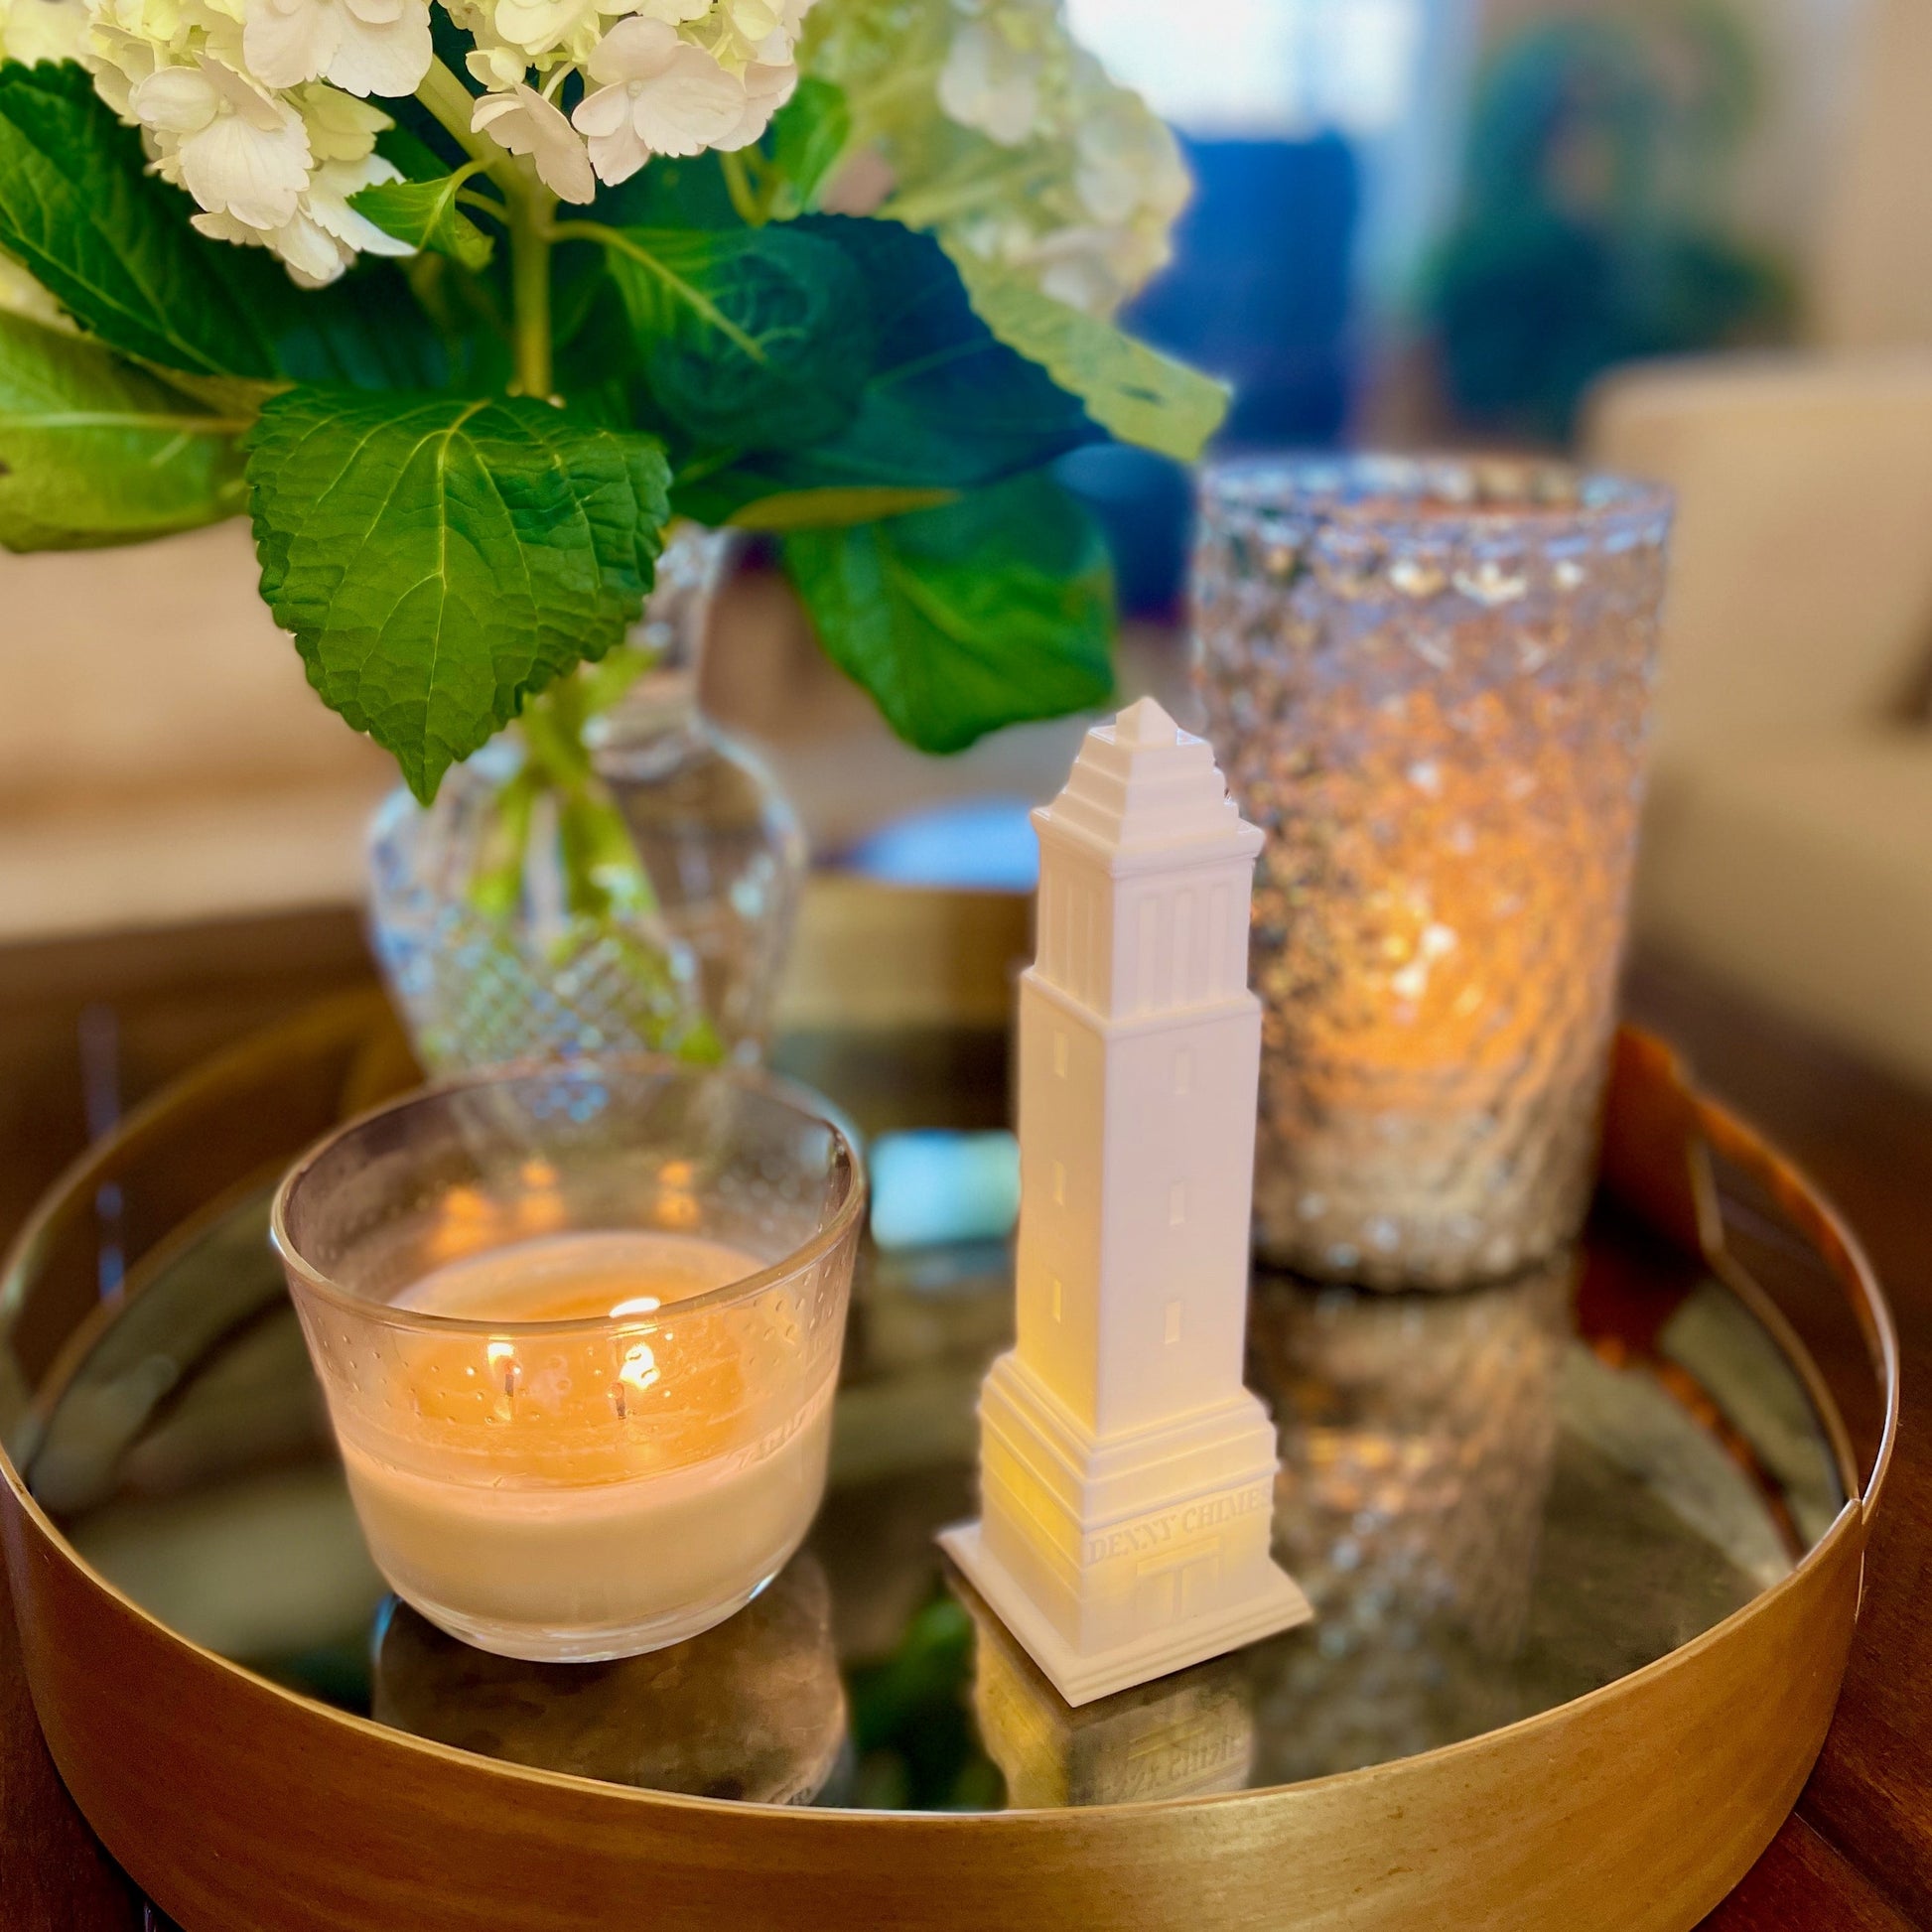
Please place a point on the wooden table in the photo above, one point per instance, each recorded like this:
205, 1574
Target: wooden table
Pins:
89, 1028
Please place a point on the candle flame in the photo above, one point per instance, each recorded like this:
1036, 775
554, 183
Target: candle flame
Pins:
638, 1304
501, 1357
639, 1368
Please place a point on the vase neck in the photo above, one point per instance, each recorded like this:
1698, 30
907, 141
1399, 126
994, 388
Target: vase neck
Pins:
677, 619
663, 703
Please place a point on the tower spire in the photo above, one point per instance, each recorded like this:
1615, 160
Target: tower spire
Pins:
1126, 1473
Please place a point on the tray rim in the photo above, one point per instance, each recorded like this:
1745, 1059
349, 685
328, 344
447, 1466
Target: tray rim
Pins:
36, 1552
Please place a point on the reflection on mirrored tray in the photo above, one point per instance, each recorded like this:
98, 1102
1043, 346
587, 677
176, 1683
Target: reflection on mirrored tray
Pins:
1497, 1501
753, 1709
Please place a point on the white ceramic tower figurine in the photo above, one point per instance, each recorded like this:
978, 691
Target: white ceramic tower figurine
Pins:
1125, 1474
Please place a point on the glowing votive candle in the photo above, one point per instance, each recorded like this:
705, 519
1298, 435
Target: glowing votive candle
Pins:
649, 1481
565, 1440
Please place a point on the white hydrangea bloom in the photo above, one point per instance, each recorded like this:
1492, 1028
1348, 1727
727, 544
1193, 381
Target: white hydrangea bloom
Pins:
340, 127
121, 61
233, 145
32, 30
992, 84
326, 234
259, 108
1129, 163
524, 122
657, 94
998, 132
269, 167
537, 26
767, 88
365, 46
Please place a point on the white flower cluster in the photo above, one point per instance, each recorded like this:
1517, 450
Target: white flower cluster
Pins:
261, 108
43, 30
1109, 228
1012, 75
663, 77
252, 106
1021, 150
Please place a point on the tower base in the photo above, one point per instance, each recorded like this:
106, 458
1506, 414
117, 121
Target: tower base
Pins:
1276, 1603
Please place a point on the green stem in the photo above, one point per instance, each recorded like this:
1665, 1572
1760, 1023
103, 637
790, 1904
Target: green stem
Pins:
529, 225
745, 197
453, 104
485, 204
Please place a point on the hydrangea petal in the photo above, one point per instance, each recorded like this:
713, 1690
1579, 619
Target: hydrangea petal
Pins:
177, 99
257, 178
287, 45
388, 59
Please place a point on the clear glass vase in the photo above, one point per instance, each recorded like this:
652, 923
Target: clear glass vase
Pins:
647, 908
719, 842
1429, 682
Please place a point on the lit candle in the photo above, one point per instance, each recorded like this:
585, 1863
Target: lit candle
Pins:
587, 1477
578, 1329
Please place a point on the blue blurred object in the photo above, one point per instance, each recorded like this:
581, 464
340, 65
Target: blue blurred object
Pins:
934, 1186
973, 845
1259, 295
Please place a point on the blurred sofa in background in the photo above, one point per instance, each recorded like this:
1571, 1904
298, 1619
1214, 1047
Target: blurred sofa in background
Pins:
160, 755
1789, 843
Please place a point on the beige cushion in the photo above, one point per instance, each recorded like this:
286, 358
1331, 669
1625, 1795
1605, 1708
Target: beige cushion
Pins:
1806, 874
1800, 577
155, 670
162, 755
1869, 280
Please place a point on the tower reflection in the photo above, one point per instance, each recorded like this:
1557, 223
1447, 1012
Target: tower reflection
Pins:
1180, 1737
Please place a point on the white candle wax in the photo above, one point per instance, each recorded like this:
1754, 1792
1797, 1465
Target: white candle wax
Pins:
626, 1489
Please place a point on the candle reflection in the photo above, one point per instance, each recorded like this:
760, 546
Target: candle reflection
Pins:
1418, 1437
752, 1709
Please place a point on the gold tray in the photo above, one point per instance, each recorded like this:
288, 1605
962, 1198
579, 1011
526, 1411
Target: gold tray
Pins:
240, 1803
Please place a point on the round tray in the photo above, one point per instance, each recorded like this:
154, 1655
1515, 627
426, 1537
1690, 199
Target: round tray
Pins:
1586, 1552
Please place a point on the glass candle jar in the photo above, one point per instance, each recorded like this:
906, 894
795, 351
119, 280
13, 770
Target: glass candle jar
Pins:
578, 1328
1429, 683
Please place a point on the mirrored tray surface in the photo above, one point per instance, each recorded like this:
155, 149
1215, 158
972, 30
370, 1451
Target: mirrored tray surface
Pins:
1497, 1501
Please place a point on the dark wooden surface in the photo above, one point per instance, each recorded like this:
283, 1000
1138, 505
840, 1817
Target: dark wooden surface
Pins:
88, 1028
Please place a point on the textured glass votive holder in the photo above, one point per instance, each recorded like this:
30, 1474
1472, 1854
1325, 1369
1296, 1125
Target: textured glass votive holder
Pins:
578, 1326
1428, 681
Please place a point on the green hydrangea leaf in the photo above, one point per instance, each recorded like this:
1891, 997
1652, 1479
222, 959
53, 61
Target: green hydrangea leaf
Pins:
808, 138
441, 559
825, 509
747, 336
946, 405
1141, 395
112, 243
994, 609
425, 213
95, 452
370, 330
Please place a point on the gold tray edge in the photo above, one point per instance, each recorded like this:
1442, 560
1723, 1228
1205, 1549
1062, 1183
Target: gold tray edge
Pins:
52, 1583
